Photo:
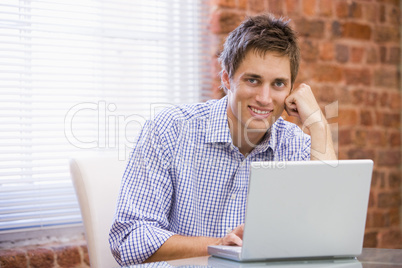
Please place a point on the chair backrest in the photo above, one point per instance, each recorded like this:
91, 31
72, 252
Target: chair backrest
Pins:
97, 182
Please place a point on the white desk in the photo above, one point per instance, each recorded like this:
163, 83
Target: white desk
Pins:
370, 258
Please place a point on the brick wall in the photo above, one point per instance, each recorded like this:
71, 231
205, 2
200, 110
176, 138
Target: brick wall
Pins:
351, 53
46, 256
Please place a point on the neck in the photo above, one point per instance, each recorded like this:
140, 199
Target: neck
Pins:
244, 139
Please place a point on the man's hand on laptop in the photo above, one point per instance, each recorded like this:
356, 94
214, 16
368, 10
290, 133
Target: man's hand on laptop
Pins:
234, 238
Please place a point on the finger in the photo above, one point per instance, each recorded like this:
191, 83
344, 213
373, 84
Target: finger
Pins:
235, 237
232, 240
292, 110
238, 231
290, 101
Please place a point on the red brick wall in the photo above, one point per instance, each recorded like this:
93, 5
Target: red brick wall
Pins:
351, 53
46, 256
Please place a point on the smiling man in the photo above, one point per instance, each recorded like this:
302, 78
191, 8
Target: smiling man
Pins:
185, 186
256, 97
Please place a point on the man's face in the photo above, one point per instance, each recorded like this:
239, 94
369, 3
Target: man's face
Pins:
257, 92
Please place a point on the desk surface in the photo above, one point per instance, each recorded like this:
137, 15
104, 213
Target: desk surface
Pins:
370, 258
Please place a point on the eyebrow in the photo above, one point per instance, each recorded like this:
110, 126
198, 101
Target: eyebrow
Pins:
252, 75
257, 76
281, 79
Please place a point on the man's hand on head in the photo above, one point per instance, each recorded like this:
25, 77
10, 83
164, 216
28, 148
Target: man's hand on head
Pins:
234, 238
301, 103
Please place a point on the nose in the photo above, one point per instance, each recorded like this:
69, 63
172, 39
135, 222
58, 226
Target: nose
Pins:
263, 96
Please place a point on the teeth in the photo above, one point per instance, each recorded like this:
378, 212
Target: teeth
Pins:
259, 112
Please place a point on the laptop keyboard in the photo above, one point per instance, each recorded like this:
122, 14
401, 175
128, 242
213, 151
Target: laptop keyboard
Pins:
231, 248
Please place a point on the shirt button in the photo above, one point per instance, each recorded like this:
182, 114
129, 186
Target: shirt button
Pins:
228, 230
233, 196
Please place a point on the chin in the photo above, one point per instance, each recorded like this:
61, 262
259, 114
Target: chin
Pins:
262, 125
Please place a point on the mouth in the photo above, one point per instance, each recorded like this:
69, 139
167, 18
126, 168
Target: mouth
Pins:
260, 112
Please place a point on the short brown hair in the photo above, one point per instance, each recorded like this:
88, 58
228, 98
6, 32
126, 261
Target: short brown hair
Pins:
263, 33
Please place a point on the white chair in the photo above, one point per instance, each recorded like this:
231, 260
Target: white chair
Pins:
97, 182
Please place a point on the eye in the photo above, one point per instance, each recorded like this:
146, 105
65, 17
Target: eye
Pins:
252, 81
279, 84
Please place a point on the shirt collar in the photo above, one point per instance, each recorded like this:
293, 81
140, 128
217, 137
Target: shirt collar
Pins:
273, 140
265, 142
270, 139
218, 129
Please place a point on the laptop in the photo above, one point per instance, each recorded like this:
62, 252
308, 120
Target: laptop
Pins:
303, 210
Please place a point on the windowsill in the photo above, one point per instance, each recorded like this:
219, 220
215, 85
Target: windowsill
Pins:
39, 237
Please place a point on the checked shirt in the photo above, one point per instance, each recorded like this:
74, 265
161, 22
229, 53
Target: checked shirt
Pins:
186, 177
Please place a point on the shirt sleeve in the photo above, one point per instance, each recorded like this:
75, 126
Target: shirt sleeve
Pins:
305, 150
141, 220
296, 145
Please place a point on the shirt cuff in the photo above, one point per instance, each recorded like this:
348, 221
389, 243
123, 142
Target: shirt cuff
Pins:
142, 243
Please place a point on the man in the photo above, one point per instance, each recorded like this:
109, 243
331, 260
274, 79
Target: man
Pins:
185, 186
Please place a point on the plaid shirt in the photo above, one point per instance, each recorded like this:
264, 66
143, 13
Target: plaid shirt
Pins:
186, 177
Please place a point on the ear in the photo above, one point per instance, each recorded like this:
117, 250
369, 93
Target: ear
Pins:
225, 79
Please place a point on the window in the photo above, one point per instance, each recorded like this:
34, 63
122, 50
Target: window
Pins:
81, 77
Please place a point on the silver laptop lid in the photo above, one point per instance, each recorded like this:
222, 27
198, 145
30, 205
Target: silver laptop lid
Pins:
306, 209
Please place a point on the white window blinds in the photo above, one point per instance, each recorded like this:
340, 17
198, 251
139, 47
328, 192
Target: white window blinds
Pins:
78, 77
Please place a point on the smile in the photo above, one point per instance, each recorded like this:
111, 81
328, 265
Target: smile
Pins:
259, 111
